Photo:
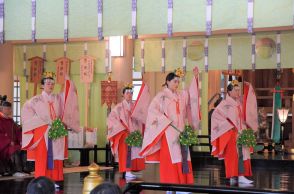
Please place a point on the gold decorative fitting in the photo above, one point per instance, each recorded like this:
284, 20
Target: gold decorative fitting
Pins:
93, 179
179, 72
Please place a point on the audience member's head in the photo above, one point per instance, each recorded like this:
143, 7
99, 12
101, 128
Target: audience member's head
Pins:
106, 188
6, 108
41, 185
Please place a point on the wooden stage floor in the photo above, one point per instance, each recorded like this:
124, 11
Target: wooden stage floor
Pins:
275, 173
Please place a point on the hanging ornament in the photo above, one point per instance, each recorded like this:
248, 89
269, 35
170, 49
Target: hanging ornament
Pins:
62, 69
86, 76
265, 47
108, 93
195, 50
37, 65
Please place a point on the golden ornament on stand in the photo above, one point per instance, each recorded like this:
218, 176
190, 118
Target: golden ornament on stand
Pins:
93, 179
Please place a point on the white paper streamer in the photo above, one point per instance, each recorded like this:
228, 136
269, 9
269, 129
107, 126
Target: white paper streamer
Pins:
85, 48
1, 21
278, 51
142, 56
25, 70
162, 55
110, 62
100, 19
133, 61
206, 54
134, 19
33, 20
65, 20
229, 53
24, 51
253, 57
184, 65
250, 6
169, 18
208, 17
64, 49
106, 55
44, 56
293, 14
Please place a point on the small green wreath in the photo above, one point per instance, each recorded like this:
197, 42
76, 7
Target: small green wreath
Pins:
134, 139
57, 129
188, 137
247, 138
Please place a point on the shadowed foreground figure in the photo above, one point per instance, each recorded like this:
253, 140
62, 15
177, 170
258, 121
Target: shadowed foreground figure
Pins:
41, 185
106, 188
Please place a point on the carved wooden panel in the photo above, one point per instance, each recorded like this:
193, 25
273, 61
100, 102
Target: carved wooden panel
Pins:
62, 69
37, 64
87, 69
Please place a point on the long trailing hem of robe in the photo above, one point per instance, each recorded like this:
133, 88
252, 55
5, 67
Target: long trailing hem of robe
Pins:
120, 124
231, 157
37, 118
227, 120
160, 143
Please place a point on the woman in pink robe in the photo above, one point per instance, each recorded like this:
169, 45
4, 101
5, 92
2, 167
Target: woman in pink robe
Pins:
120, 124
228, 119
161, 140
37, 115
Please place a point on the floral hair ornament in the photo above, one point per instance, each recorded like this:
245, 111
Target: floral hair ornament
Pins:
128, 85
48, 77
235, 82
49, 74
179, 72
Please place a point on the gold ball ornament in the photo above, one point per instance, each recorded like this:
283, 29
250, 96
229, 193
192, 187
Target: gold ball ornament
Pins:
195, 50
265, 47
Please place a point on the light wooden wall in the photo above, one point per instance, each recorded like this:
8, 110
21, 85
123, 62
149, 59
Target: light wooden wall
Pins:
214, 80
122, 66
